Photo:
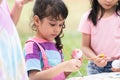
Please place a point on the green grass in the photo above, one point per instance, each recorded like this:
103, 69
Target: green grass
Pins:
71, 39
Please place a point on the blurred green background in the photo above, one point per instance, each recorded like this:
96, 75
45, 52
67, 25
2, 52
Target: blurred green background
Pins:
71, 39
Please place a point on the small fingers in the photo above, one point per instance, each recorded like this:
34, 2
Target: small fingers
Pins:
115, 70
77, 64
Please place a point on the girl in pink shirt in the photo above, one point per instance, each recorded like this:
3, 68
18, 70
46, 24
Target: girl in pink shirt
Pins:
100, 28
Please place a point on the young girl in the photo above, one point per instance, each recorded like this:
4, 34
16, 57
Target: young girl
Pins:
100, 29
41, 50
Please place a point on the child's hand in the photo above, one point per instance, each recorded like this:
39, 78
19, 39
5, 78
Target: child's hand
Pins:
72, 65
100, 61
22, 2
115, 69
25, 1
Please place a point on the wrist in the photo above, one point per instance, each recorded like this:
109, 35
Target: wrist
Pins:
63, 66
19, 3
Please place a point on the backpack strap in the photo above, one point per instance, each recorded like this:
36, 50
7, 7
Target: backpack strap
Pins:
45, 60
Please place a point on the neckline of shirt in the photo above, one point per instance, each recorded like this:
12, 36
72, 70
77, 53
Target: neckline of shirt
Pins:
108, 18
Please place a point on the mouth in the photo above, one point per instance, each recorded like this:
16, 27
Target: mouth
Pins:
108, 4
54, 35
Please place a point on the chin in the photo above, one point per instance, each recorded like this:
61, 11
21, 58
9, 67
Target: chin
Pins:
50, 39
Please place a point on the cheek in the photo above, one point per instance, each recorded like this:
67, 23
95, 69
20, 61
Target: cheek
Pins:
115, 2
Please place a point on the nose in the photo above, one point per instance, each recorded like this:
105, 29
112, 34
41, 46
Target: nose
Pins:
57, 29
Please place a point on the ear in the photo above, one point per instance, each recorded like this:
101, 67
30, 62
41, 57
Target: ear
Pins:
36, 21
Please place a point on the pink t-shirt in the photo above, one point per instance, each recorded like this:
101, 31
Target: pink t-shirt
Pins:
105, 36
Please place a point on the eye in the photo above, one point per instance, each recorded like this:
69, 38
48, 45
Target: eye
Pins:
61, 25
52, 24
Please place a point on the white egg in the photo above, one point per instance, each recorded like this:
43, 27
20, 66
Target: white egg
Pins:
77, 53
116, 64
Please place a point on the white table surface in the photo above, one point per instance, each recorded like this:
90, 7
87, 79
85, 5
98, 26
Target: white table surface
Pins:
101, 76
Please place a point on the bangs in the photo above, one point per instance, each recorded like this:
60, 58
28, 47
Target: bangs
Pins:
57, 13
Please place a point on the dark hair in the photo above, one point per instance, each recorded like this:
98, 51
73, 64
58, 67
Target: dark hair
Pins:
96, 7
54, 9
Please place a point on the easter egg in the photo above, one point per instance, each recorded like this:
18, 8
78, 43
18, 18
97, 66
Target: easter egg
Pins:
116, 64
101, 55
77, 53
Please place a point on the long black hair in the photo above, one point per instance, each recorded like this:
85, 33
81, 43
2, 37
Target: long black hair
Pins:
95, 9
54, 9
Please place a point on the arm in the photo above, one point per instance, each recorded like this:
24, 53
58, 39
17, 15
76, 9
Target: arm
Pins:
67, 66
17, 8
88, 51
0, 1
86, 46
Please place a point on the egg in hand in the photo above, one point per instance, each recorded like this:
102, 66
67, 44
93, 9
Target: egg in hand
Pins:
77, 54
116, 64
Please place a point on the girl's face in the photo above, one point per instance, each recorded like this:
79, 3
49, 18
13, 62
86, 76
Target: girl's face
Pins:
107, 4
48, 28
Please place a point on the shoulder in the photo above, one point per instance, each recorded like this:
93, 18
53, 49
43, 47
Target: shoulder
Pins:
29, 44
84, 19
85, 24
86, 14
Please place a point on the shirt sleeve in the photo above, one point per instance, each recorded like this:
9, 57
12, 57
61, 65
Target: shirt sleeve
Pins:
84, 26
33, 56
